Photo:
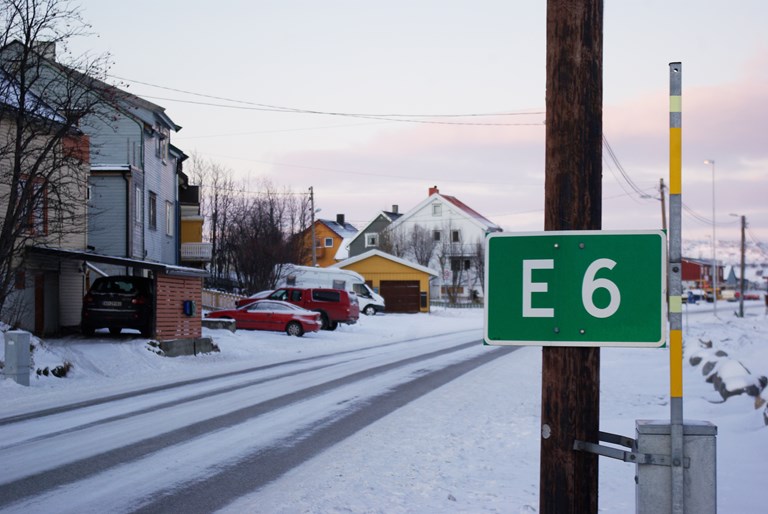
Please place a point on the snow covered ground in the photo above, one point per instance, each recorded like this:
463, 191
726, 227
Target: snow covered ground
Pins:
471, 446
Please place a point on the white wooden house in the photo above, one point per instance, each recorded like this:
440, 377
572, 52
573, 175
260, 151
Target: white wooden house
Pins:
449, 238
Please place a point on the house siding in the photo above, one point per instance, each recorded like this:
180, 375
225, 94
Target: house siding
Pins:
71, 293
107, 214
357, 246
118, 143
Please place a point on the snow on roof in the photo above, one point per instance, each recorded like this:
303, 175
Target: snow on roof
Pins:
469, 210
345, 231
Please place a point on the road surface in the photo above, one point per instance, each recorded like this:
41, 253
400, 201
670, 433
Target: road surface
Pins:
198, 445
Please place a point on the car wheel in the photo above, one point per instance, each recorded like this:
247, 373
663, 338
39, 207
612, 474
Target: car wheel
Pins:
333, 325
369, 310
294, 329
87, 330
115, 330
325, 323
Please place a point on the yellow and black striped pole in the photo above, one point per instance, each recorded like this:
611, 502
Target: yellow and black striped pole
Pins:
676, 284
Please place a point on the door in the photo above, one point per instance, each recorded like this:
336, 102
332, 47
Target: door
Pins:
400, 295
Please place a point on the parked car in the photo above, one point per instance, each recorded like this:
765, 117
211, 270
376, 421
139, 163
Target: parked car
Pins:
272, 315
119, 302
334, 305
292, 275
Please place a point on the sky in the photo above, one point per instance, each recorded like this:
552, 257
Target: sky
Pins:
228, 75
469, 446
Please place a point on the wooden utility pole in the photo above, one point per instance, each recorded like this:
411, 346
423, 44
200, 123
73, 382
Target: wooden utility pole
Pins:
570, 403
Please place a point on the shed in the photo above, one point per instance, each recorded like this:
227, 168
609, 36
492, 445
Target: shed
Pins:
403, 284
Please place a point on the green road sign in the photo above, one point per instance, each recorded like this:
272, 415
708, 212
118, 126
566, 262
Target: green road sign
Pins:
576, 288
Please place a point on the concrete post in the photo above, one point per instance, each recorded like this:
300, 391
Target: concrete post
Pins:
17, 356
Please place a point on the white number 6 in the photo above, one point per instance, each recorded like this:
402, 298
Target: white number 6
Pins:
591, 284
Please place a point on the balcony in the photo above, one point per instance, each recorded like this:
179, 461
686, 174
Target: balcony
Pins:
196, 252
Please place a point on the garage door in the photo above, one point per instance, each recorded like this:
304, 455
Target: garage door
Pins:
400, 295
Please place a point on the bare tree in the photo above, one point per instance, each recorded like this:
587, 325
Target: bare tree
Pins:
261, 234
423, 244
478, 259
394, 241
217, 201
43, 154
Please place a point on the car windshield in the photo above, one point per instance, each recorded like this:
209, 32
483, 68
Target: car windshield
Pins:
115, 286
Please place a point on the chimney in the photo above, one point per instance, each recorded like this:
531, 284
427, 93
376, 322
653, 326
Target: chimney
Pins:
433, 190
340, 219
395, 208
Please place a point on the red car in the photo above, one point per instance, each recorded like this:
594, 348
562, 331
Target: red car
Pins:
272, 315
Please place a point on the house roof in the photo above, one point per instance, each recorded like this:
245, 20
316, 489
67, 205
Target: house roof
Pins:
129, 104
470, 211
391, 216
471, 214
383, 255
345, 231
10, 96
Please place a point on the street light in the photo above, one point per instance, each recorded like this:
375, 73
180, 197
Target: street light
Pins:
741, 281
714, 241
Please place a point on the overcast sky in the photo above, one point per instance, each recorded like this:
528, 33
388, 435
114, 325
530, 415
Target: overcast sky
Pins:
447, 57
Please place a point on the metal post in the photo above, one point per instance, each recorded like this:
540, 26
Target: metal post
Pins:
675, 285
741, 282
312, 211
714, 241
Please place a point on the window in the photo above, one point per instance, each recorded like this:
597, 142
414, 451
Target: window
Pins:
329, 242
459, 263
436, 235
455, 236
138, 209
371, 239
324, 295
152, 211
161, 143
169, 218
34, 212
437, 209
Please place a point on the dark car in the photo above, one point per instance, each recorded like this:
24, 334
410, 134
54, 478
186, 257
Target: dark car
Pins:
272, 315
119, 302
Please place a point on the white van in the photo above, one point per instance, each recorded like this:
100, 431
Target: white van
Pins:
334, 278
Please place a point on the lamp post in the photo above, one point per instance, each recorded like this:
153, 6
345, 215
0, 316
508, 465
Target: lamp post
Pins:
741, 280
714, 241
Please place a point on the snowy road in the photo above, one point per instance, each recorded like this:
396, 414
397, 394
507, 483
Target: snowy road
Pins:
198, 446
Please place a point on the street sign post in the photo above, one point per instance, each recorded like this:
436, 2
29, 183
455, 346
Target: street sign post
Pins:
576, 288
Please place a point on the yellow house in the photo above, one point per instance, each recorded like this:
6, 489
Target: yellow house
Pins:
331, 239
403, 284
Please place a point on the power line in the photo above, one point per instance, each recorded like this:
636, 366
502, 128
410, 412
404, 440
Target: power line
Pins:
248, 105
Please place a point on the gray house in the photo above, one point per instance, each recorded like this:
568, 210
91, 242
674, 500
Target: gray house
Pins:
134, 205
369, 238
134, 183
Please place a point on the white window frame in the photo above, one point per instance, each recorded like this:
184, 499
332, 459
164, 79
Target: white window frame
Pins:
169, 219
455, 236
138, 208
328, 242
371, 239
437, 235
437, 209
152, 210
